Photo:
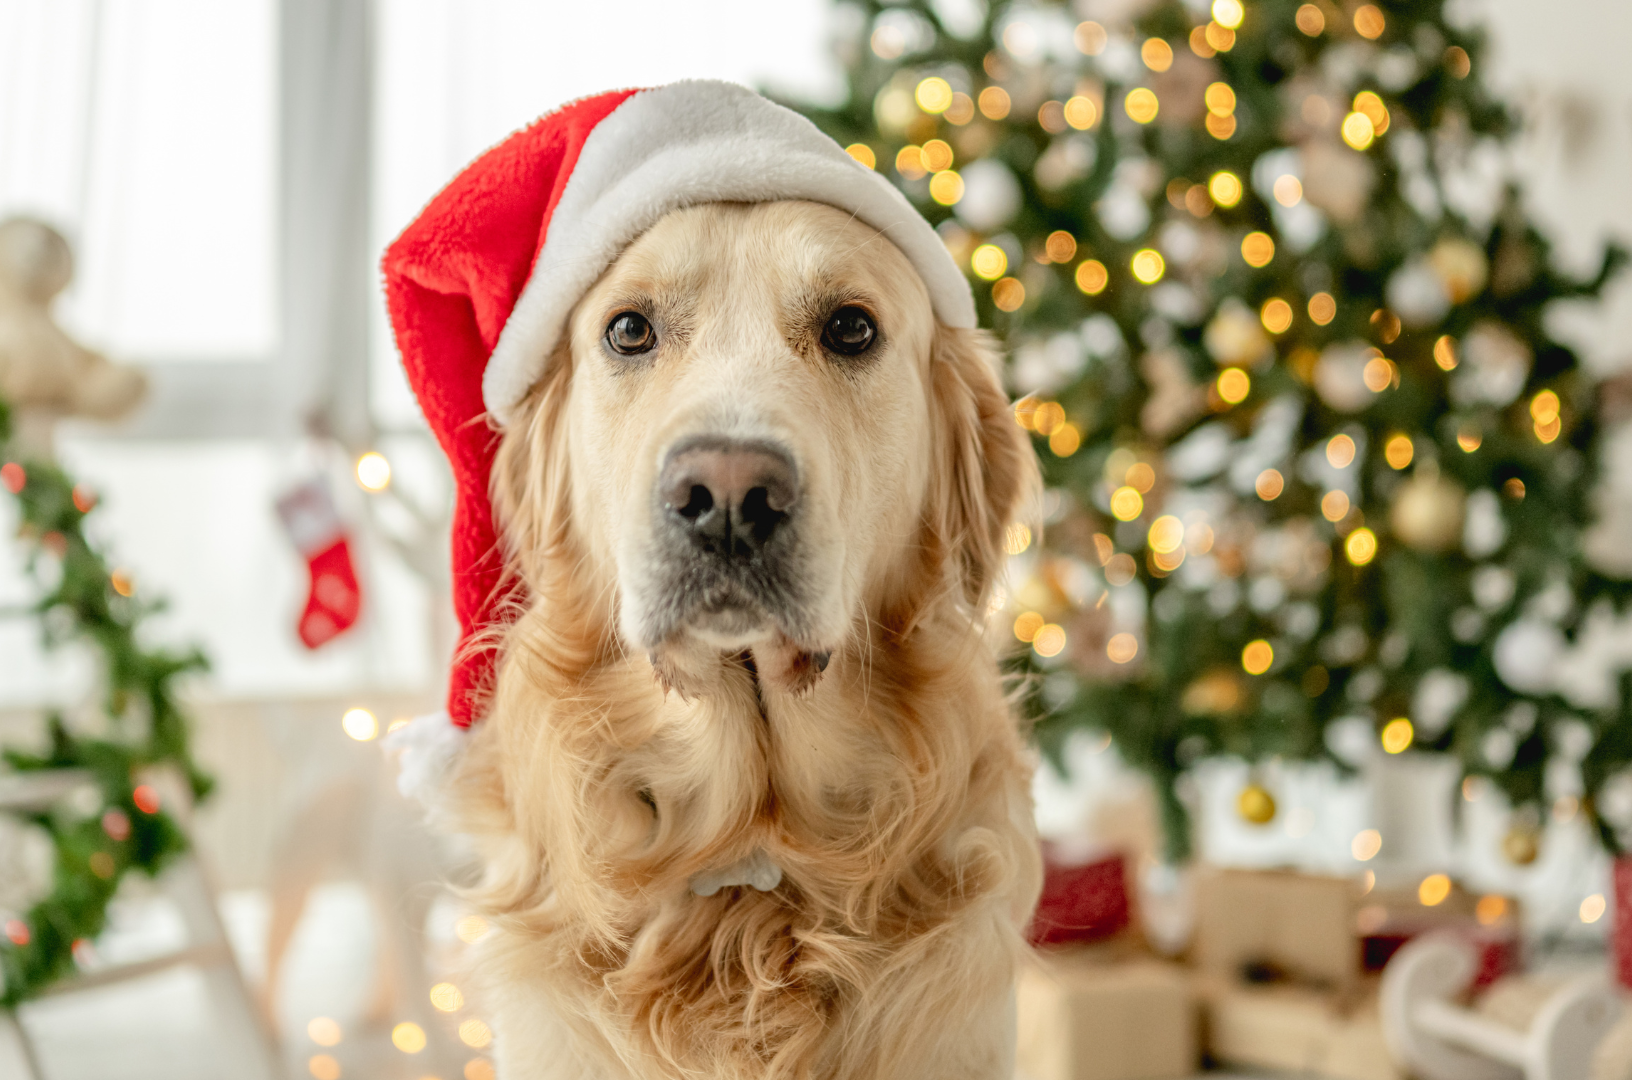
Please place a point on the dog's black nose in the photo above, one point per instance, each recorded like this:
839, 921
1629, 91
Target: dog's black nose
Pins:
728, 496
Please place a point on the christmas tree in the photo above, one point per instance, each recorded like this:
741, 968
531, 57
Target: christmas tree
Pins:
1317, 474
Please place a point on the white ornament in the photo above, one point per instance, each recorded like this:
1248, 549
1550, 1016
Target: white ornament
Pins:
1340, 377
1418, 295
1485, 530
1526, 653
1440, 692
1495, 366
1235, 337
991, 196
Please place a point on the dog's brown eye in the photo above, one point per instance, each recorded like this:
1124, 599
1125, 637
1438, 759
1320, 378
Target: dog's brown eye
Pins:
849, 332
630, 333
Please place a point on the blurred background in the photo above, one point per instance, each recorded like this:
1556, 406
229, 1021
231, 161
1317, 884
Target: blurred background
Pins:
226, 175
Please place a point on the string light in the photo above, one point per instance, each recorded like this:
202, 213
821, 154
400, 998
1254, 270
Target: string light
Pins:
1061, 246
863, 153
994, 103
1165, 535
934, 95
373, 471
1049, 640
1234, 385
447, 997
1310, 20
1016, 538
1593, 908
1276, 315
1445, 352
1434, 890
1157, 54
1257, 249
1340, 451
323, 1067
1092, 277
1081, 112
323, 1031
1228, 13
989, 262
1369, 22
1141, 105
360, 724
1008, 294
1372, 107
1360, 547
1357, 130
1334, 505
1257, 657
479, 1069
1065, 441
946, 187
909, 162
475, 1034
1269, 485
1366, 844
1090, 38
1225, 188
1122, 648
1322, 308
1397, 735
408, 1037
1126, 503
470, 929
1026, 625
1490, 909
1148, 266
1398, 451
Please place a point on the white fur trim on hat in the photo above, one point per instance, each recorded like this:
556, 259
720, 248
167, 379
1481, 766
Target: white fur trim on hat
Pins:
427, 746
680, 145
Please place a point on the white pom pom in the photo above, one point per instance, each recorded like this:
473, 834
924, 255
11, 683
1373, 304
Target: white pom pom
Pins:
426, 745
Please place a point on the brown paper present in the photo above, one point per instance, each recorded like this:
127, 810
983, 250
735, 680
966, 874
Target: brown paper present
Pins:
1277, 924
1105, 1013
1296, 1029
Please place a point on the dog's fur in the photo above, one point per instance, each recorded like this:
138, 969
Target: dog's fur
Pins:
630, 746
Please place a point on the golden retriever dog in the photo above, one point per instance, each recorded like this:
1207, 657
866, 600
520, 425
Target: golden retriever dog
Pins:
750, 795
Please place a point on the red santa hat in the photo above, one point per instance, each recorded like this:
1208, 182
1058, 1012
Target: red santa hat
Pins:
481, 284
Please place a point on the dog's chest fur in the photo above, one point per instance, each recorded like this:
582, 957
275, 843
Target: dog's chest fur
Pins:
891, 799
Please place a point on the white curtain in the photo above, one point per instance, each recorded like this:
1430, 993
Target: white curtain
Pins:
145, 130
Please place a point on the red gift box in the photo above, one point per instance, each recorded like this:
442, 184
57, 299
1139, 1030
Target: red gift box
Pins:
1081, 900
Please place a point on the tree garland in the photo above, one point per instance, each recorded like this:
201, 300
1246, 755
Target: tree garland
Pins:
127, 830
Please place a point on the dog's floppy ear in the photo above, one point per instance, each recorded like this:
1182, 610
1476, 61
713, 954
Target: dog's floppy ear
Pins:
985, 472
529, 486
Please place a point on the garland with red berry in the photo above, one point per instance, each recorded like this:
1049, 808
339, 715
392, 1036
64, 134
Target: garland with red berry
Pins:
127, 830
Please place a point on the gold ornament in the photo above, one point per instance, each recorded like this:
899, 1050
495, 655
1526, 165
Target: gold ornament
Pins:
1521, 845
1255, 805
1427, 511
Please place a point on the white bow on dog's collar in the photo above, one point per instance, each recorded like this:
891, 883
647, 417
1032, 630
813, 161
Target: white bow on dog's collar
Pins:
757, 870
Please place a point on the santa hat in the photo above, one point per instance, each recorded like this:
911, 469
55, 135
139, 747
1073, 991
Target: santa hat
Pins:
481, 284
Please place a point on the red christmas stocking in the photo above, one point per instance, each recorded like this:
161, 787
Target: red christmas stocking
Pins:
333, 601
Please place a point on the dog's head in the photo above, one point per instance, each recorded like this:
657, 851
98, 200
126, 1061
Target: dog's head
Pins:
755, 435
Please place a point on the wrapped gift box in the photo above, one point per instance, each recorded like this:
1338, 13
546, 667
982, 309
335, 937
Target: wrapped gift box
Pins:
1083, 899
1297, 1030
1105, 1013
1269, 925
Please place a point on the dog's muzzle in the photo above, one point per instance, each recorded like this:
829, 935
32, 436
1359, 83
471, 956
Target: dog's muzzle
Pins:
726, 497
728, 546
